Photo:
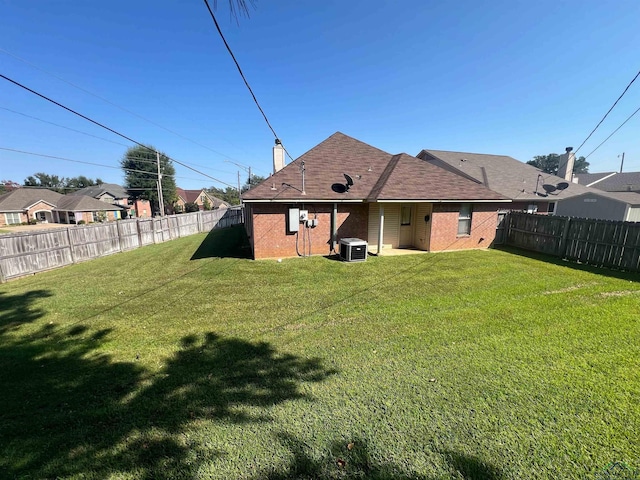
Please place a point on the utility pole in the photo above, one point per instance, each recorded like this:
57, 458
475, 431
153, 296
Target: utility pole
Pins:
239, 191
249, 178
160, 197
622, 162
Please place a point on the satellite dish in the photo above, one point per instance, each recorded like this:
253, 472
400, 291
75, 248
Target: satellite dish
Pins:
562, 186
549, 188
343, 187
349, 180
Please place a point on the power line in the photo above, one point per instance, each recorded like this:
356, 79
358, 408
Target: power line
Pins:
608, 112
109, 129
213, 17
94, 164
115, 105
62, 126
612, 133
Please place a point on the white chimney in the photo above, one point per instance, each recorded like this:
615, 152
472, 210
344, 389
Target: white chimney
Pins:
278, 156
565, 169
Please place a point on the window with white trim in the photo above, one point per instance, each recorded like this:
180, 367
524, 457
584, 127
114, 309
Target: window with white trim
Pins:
464, 219
13, 218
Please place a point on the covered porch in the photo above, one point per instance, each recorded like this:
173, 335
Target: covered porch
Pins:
399, 227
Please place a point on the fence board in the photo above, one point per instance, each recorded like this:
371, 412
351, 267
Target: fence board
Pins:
602, 243
26, 253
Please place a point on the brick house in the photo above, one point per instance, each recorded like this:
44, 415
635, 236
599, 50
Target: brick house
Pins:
38, 204
394, 202
199, 197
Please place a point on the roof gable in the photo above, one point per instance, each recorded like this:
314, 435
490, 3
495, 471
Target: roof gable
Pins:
377, 176
23, 198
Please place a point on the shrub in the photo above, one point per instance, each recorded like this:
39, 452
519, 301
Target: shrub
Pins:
81, 222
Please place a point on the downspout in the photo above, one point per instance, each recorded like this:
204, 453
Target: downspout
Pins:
334, 227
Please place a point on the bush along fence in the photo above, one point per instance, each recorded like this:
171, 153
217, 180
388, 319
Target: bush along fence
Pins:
31, 252
602, 243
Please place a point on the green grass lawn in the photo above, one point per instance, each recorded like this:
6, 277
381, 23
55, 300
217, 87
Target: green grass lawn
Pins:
167, 362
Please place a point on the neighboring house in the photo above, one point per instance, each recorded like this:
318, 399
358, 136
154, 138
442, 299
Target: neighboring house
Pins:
396, 201
198, 197
602, 205
611, 181
530, 189
106, 192
115, 194
77, 208
24, 204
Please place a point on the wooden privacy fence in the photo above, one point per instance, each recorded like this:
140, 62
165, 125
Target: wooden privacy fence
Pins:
601, 243
31, 252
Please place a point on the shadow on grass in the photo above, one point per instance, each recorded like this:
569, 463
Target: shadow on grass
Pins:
623, 275
230, 242
354, 460
16, 310
68, 410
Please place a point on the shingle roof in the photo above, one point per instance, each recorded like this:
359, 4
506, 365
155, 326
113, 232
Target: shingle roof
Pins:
22, 198
588, 179
620, 182
192, 196
83, 203
377, 175
97, 190
503, 174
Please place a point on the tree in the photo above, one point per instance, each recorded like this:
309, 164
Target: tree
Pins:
8, 185
44, 180
191, 207
59, 184
550, 163
206, 204
252, 182
141, 175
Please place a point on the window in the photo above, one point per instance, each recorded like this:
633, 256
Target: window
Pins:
405, 215
12, 218
552, 208
464, 219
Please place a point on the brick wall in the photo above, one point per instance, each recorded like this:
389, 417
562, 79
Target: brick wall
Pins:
270, 239
37, 208
444, 227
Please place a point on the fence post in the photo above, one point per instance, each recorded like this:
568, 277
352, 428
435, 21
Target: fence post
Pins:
119, 232
2, 278
73, 254
200, 222
562, 245
138, 232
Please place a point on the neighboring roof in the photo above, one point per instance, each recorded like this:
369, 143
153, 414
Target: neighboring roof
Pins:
620, 182
589, 179
189, 195
22, 198
193, 195
83, 203
506, 175
96, 191
629, 198
377, 175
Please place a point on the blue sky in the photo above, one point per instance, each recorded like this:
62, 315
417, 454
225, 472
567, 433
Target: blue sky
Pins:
518, 78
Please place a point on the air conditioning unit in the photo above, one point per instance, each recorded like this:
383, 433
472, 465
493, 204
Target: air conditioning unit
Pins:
353, 250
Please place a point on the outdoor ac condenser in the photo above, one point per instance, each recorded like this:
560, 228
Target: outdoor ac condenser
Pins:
353, 250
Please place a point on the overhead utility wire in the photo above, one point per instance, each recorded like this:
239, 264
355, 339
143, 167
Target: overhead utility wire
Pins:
62, 126
109, 129
608, 112
104, 139
115, 105
213, 17
92, 163
612, 133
